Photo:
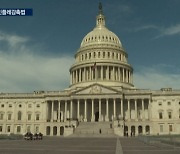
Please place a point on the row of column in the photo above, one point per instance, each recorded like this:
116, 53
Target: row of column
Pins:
107, 55
101, 72
100, 109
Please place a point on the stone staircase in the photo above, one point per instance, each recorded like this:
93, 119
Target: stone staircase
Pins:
94, 129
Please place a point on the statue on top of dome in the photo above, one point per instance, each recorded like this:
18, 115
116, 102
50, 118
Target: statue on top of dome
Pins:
100, 8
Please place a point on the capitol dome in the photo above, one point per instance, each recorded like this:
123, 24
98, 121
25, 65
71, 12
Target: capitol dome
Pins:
101, 59
101, 35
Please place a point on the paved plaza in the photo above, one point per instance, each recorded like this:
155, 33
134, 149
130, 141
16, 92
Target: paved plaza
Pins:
56, 145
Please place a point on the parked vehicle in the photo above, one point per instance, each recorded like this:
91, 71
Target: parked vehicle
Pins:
30, 136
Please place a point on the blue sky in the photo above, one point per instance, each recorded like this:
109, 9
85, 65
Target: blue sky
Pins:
36, 52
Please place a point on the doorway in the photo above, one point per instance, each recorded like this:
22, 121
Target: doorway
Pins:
96, 116
61, 130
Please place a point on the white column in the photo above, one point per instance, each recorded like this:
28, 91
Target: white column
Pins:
65, 111
84, 77
70, 77
119, 75
85, 110
113, 74
80, 75
107, 73
92, 113
78, 109
101, 72
90, 73
122, 108
52, 111
123, 74
59, 110
143, 109
114, 108
129, 109
76, 76
126, 75
87, 74
71, 109
99, 109
135, 101
107, 110
129, 77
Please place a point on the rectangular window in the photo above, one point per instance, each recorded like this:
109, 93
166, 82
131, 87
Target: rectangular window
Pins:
29, 116
1, 116
18, 129
160, 115
89, 55
37, 129
169, 115
1, 128
8, 129
28, 128
161, 128
9, 116
37, 116
170, 128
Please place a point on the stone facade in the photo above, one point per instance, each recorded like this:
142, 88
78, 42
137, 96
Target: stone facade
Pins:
101, 91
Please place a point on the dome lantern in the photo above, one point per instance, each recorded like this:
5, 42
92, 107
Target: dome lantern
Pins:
100, 19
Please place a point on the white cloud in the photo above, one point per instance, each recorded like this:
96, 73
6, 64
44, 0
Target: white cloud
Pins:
145, 27
156, 78
163, 31
12, 40
23, 71
173, 30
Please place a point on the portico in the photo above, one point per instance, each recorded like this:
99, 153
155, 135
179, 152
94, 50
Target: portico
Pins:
99, 108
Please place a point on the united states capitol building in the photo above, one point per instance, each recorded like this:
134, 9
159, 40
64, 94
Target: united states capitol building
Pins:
101, 98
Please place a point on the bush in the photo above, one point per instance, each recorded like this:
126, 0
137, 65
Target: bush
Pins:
11, 137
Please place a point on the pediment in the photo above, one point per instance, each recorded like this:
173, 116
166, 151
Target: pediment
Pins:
96, 89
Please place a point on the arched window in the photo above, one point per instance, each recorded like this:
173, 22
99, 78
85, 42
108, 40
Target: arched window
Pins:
99, 54
94, 55
103, 54
108, 54
19, 115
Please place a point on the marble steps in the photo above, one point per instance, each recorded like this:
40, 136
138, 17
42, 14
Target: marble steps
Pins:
94, 128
